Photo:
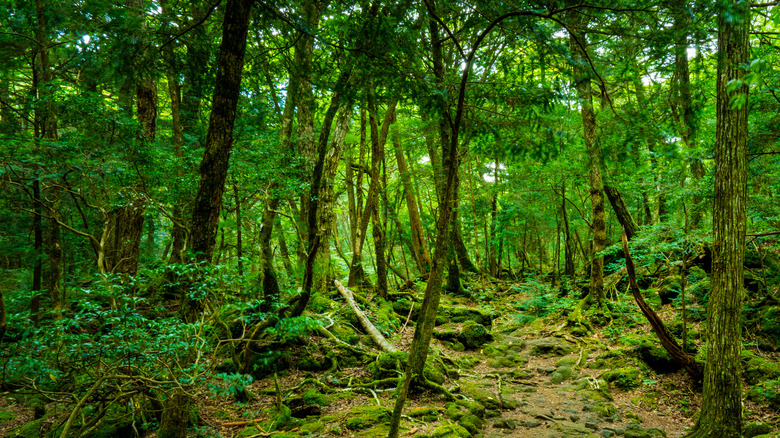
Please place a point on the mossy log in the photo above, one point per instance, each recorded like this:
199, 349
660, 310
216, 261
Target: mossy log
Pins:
378, 338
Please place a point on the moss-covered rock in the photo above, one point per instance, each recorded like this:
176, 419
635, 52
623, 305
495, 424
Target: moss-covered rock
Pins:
481, 395
388, 364
758, 369
650, 351
6, 416
510, 361
450, 431
601, 408
623, 378
669, 289
551, 347
769, 324
466, 314
766, 393
471, 423
633, 430
756, 428
362, 417
474, 335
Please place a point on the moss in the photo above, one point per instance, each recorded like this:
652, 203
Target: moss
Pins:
377, 432
471, 423
466, 314
758, 369
329, 419
451, 431
766, 393
623, 378
551, 347
600, 408
388, 364
474, 335
29, 430
312, 428
6, 416
756, 428
483, 396
362, 417
649, 403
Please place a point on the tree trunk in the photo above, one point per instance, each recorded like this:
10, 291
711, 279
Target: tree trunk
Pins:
35, 300
622, 213
52, 246
582, 76
378, 140
239, 236
419, 247
721, 410
122, 232
3, 322
327, 199
219, 138
175, 416
568, 247
683, 102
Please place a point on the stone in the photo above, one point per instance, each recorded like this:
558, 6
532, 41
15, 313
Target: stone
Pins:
756, 428
505, 424
551, 346
530, 424
623, 378
474, 335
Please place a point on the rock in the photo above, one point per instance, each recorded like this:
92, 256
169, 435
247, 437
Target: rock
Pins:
591, 425
655, 356
669, 289
623, 378
551, 347
633, 430
471, 422
506, 424
510, 361
531, 423
466, 314
756, 428
602, 409
758, 369
481, 395
474, 335
606, 433
450, 431
766, 393
362, 417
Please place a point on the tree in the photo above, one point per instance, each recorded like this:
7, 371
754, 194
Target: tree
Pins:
721, 411
219, 138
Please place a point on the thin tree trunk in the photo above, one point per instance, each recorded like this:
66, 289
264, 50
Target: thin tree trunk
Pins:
622, 213
419, 247
582, 75
569, 249
721, 410
239, 249
219, 138
35, 301
327, 199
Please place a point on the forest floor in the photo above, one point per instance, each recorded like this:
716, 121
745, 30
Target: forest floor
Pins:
532, 380
533, 377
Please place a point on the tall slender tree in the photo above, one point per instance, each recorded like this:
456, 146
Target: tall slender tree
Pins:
721, 410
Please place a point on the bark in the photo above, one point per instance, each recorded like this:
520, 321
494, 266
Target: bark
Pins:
721, 411
418, 353
582, 74
122, 232
239, 236
52, 246
372, 331
378, 140
419, 247
175, 416
670, 344
327, 199
651, 142
569, 249
219, 137
313, 237
45, 114
179, 233
35, 301
622, 213
683, 101
492, 255
3, 322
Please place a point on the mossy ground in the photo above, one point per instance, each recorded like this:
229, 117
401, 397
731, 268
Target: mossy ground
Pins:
531, 377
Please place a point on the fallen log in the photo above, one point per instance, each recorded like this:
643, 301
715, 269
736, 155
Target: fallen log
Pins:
372, 331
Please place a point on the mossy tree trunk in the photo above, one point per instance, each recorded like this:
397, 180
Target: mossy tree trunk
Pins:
175, 416
582, 79
721, 410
